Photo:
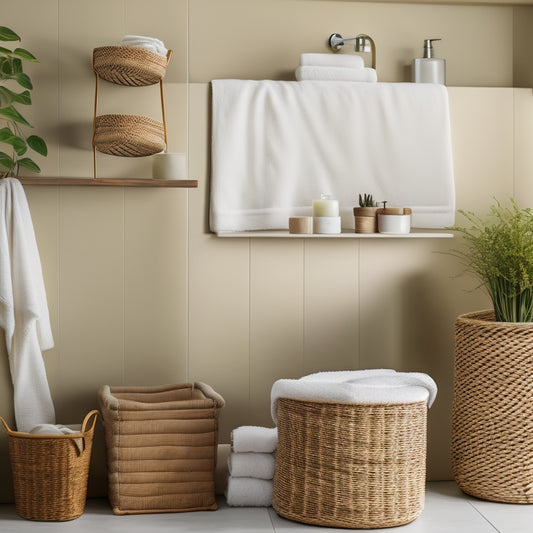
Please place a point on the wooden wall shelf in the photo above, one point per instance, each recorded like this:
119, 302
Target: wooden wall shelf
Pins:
110, 182
416, 234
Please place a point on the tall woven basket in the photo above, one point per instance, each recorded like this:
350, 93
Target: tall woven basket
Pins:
352, 466
492, 423
50, 472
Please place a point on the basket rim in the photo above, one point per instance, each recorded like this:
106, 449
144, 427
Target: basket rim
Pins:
360, 404
486, 317
84, 430
142, 51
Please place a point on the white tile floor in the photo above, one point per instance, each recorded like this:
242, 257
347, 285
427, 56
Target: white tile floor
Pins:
447, 510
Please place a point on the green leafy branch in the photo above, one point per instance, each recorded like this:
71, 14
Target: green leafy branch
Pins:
11, 134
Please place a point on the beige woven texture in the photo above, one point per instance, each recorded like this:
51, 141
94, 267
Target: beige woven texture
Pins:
128, 135
350, 466
492, 423
50, 472
128, 65
161, 447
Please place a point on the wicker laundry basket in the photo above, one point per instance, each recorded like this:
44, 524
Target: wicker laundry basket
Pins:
50, 472
492, 421
129, 65
161, 447
351, 466
128, 135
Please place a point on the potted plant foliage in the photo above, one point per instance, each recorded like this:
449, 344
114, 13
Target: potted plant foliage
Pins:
366, 215
15, 87
492, 421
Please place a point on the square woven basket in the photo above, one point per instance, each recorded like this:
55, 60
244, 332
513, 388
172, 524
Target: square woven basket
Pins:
161, 447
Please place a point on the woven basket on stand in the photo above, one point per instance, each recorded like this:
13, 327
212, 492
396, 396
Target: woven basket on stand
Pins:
492, 422
50, 472
352, 466
128, 135
129, 65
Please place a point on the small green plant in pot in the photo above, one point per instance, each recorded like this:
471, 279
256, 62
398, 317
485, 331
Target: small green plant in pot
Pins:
499, 252
14, 144
365, 215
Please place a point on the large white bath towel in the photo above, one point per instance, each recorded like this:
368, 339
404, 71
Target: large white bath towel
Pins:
249, 492
277, 145
359, 386
23, 309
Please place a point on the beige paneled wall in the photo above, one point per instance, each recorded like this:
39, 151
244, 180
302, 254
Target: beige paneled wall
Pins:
140, 292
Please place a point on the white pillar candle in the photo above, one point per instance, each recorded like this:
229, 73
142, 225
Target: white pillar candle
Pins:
326, 225
325, 207
169, 166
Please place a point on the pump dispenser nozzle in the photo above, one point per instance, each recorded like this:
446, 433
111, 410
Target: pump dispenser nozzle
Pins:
428, 47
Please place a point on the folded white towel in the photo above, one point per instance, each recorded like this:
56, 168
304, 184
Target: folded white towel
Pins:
252, 464
249, 492
149, 43
332, 60
23, 309
254, 439
54, 429
336, 74
359, 387
336, 376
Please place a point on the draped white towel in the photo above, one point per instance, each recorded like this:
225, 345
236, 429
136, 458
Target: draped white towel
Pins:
23, 309
277, 145
249, 492
360, 386
336, 74
252, 464
254, 439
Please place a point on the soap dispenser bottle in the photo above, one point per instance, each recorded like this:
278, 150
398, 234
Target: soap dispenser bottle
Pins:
429, 69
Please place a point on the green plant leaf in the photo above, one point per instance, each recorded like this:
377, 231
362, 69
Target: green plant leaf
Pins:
18, 143
26, 162
5, 67
6, 161
12, 114
5, 51
23, 80
8, 35
7, 97
37, 143
24, 54
17, 65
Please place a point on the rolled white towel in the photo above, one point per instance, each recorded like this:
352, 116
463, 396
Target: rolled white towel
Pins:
336, 74
360, 387
249, 492
254, 439
149, 43
331, 60
252, 464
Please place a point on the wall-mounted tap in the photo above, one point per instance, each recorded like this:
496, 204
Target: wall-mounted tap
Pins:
361, 43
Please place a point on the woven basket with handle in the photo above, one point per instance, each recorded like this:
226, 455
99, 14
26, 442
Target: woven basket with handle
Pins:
50, 472
492, 422
351, 466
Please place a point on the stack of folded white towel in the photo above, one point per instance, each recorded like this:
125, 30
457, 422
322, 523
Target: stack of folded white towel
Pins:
251, 466
337, 67
150, 43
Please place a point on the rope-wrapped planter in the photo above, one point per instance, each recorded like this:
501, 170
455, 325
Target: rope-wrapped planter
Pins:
492, 422
129, 65
50, 472
128, 135
161, 447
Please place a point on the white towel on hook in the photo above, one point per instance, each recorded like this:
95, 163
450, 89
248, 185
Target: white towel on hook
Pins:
277, 145
149, 43
332, 60
336, 74
23, 309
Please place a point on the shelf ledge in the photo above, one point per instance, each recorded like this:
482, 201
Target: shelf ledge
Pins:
419, 234
110, 182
